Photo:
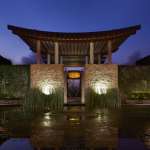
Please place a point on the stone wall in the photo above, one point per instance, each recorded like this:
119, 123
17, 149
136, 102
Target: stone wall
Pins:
101, 75
47, 77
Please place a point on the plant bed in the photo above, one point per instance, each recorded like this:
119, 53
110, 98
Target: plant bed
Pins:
10, 98
137, 102
139, 95
10, 102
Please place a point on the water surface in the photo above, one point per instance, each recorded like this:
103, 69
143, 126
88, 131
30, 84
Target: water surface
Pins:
79, 128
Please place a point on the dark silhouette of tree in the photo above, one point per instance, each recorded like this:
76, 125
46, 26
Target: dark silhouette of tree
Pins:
4, 61
144, 61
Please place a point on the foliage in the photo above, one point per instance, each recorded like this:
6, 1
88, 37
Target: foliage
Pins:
14, 81
133, 78
4, 61
36, 101
139, 95
108, 100
7, 96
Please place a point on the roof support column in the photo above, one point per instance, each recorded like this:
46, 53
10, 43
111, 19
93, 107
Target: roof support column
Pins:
91, 53
65, 87
109, 51
86, 59
56, 53
38, 52
48, 58
99, 58
82, 88
61, 59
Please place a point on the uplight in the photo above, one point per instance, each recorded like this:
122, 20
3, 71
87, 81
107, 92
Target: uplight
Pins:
100, 88
47, 89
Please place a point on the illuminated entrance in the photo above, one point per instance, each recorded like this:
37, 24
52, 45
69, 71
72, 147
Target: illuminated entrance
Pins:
74, 87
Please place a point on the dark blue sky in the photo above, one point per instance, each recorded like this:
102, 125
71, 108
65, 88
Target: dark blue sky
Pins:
75, 16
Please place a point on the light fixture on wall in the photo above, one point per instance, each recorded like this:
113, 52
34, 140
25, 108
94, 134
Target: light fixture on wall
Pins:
100, 88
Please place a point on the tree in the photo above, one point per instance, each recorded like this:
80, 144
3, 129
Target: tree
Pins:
4, 61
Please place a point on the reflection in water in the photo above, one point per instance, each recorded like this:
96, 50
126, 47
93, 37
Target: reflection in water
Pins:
102, 115
74, 119
46, 120
78, 128
47, 116
46, 123
146, 137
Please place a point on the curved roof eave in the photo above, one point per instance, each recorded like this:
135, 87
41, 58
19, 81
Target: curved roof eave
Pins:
44, 35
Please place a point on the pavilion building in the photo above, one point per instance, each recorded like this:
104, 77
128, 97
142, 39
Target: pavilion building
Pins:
57, 51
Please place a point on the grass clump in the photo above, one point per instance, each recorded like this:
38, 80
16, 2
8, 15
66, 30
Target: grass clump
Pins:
36, 101
108, 100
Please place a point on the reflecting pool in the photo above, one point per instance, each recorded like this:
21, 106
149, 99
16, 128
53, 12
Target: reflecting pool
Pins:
78, 128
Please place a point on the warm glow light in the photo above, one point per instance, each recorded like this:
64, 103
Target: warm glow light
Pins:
74, 119
47, 89
100, 88
74, 75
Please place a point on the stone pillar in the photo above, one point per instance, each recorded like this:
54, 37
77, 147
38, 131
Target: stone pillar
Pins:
99, 58
86, 59
109, 52
56, 53
65, 87
38, 52
82, 88
48, 58
91, 53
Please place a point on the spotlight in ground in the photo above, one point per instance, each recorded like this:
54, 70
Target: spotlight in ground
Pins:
47, 89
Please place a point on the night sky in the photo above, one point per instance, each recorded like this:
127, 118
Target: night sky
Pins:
75, 16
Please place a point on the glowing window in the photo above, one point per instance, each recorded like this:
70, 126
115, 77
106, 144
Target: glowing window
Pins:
74, 75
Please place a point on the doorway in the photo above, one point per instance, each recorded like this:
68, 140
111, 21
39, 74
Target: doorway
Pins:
74, 87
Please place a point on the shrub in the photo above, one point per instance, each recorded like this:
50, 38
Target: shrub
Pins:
14, 81
139, 95
133, 78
